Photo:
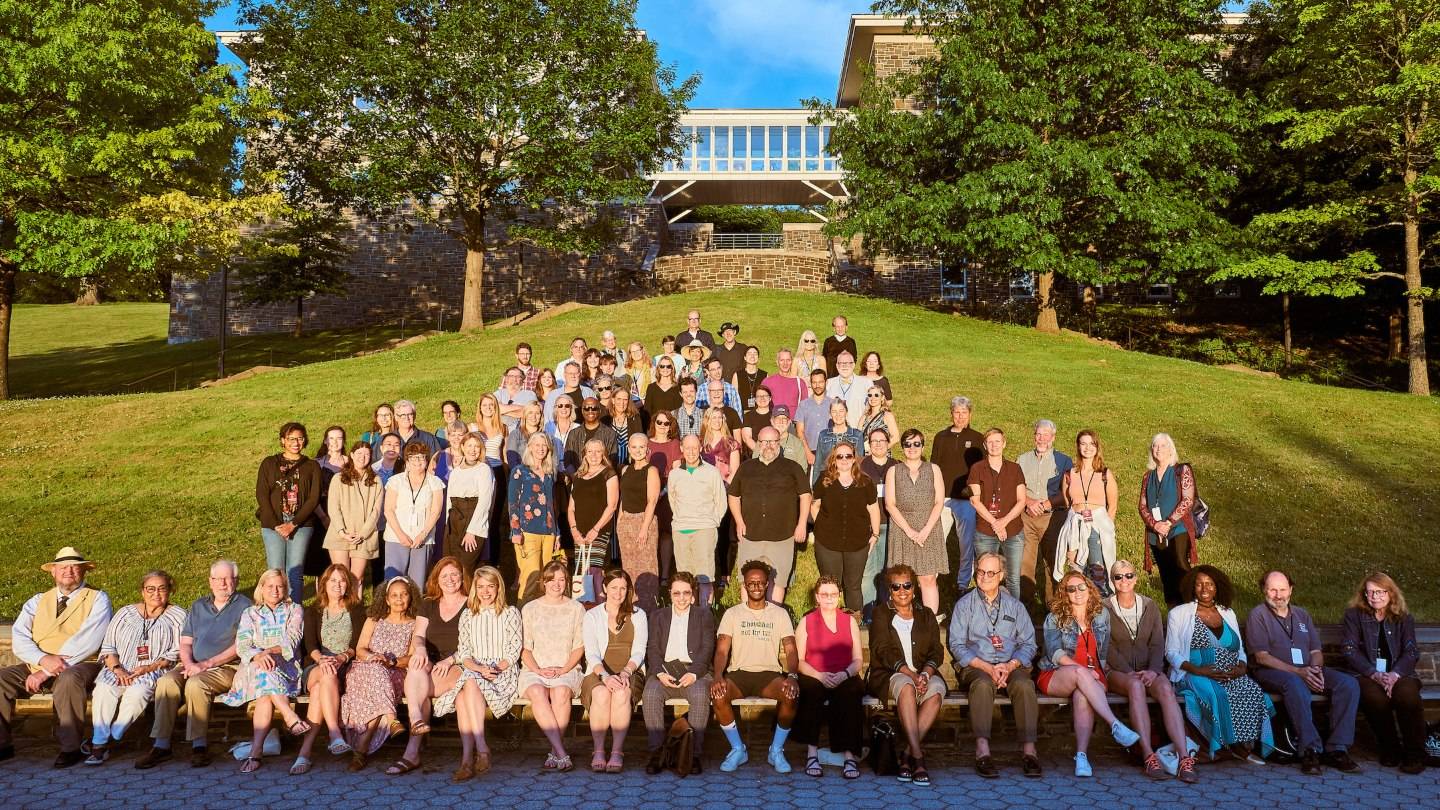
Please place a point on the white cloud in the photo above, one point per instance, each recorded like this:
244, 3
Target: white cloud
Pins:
807, 34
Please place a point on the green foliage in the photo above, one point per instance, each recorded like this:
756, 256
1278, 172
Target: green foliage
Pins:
300, 259
737, 218
469, 114
110, 110
1078, 137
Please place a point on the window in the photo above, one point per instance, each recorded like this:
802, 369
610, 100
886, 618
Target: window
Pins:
722, 149
812, 149
702, 162
1022, 286
738, 150
757, 149
687, 155
1159, 292
825, 150
792, 149
955, 282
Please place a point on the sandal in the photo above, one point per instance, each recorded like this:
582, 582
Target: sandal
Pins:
552, 763
616, 763
396, 728
464, 773
339, 747
299, 728
852, 770
812, 767
597, 762
400, 767
250, 765
563, 764
419, 729
922, 776
358, 761
301, 766
906, 772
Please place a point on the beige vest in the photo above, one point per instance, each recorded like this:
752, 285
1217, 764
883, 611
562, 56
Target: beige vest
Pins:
50, 632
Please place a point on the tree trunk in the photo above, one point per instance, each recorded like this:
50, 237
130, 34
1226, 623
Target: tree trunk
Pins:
1285, 307
472, 315
1415, 305
7, 301
1046, 318
299, 317
89, 293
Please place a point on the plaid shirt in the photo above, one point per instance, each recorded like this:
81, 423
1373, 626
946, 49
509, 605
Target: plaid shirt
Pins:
532, 378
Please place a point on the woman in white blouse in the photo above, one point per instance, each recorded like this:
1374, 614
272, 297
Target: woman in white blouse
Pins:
468, 500
414, 501
615, 632
489, 658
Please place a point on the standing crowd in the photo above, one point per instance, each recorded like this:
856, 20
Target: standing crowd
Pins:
572, 541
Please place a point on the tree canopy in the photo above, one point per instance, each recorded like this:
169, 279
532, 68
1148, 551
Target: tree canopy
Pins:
494, 119
1078, 138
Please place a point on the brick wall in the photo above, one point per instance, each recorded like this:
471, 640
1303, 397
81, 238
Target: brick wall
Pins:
769, 269
420, 273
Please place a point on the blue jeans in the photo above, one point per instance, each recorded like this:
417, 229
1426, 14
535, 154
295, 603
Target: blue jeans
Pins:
874, 564
288, 556
964, 514
413, 563
1012, 548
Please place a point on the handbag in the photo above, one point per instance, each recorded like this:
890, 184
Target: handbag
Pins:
582, 587
882, 759
1201, 512
678, 752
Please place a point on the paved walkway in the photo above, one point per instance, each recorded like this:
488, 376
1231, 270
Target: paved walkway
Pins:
28, 781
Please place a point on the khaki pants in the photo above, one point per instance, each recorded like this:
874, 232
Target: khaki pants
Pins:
69, 691
1042, 534
981, 690
198, 694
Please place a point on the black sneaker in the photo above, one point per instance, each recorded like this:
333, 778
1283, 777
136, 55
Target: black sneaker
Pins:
1310, 763
1340, 761
200, 757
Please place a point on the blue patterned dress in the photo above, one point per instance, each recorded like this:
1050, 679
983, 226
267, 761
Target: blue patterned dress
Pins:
260, 629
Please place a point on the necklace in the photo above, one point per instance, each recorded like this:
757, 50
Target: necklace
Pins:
1130, 616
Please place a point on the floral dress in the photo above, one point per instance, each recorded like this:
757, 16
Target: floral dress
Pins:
373, 689
260, 629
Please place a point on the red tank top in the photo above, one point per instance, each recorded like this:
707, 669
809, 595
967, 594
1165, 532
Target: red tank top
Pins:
827, 650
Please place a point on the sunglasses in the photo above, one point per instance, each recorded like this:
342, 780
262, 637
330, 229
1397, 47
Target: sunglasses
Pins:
602, 389
810, 340
914, 444
589, 409
1118, 577
667, 366
564, 407
902, 586
875, 395
663, 422
840, 457
1075, 589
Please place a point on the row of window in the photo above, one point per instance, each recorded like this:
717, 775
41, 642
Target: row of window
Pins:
755, 149
955, 286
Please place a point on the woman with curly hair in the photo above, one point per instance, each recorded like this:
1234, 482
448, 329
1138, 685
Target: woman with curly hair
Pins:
1077, 638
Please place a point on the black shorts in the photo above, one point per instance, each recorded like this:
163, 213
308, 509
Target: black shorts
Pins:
751, 684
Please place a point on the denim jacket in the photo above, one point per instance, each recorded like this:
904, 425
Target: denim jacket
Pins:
1060, 642
1362, 643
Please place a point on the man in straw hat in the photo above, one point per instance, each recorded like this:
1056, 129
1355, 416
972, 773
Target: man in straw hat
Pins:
57, 635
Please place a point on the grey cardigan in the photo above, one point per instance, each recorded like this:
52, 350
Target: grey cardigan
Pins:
1143, 651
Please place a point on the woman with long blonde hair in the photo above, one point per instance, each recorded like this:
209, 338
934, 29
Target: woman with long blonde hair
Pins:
807, 355
489, 662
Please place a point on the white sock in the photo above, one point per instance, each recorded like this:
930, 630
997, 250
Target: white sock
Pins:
781, 734
163, 745
732, 733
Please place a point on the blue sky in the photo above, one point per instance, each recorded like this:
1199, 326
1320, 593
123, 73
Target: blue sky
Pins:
749, 53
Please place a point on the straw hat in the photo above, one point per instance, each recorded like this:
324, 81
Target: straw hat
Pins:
696, 344
68, 556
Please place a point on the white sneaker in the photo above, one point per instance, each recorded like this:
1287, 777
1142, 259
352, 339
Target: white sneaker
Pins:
1082, 765
1123, 734
734, 759
777, 761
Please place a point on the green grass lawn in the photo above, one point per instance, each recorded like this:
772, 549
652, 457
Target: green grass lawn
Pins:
1326, 482
65, 350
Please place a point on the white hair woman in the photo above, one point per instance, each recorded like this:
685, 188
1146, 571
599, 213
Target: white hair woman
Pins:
1167, 506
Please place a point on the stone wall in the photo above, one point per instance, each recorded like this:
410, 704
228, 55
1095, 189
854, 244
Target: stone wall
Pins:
804, 237
893, 54
419, 273
768, 269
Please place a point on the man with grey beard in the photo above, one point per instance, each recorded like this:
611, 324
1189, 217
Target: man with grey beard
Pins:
770, 502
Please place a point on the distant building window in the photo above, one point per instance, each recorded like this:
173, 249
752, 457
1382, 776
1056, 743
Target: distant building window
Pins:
1227, 290
1022, 286
1098, 289
954, 283
1160, 292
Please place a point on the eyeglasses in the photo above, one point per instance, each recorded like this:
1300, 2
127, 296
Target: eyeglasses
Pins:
405, 415
902, 586
879, 439
914, 444
843, 457
156, 589
983, 574
1369, 594
1075, 588
1127, 575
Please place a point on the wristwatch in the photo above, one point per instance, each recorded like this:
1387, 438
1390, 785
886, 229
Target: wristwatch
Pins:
794, 676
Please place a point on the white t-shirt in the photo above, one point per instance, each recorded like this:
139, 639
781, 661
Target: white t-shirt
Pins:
677, 646
853, 393
903, 628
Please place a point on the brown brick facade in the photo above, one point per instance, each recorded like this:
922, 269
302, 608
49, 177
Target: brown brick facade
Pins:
768, 269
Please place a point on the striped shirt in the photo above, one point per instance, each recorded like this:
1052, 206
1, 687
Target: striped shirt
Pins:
129, 632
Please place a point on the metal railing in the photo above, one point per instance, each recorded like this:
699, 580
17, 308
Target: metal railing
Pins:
747, 241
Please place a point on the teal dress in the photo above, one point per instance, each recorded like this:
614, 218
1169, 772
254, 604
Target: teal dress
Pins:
1236, 711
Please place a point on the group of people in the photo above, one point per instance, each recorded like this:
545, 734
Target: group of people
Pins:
578, 532
458, 646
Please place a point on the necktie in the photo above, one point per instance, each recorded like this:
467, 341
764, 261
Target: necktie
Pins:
60, 605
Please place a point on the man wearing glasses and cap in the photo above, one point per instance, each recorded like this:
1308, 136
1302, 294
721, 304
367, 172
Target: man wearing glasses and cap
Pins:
56, 637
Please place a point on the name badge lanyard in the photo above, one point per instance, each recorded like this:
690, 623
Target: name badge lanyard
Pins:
143, 651
993, 616
1297, 657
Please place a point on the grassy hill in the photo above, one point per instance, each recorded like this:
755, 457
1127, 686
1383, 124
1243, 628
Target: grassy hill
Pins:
1326, 482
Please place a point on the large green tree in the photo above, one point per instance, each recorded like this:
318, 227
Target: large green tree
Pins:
109, 110
497, 120
1353, 90
1076, 138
